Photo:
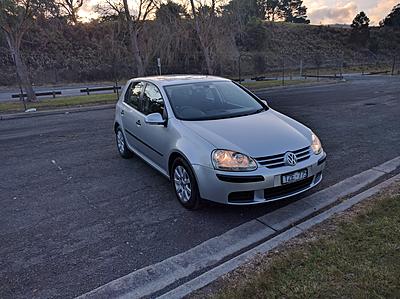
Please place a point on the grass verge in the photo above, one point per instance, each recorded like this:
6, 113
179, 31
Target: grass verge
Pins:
355, 255
61, 102
98, 99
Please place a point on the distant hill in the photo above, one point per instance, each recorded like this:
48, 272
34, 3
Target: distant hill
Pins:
87, 53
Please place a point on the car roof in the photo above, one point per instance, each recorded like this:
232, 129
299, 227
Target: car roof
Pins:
179, 79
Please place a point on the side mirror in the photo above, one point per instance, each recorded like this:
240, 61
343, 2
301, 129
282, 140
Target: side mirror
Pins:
264, 101
154, 119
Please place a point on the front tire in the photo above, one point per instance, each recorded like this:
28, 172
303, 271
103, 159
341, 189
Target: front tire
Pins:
123, 149
185, 185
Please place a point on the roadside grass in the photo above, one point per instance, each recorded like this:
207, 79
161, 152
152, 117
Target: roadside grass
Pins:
98, 99
358, 258
60, 102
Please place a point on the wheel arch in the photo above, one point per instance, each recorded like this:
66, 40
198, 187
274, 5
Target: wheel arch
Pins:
178, 154
116, 126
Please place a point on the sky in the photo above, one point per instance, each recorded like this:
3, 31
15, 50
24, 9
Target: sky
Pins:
319, 11
343, 12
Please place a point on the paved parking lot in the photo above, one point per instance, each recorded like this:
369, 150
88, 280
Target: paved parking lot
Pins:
74, 216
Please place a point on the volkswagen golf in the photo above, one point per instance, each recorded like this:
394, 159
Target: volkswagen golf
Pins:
216, 140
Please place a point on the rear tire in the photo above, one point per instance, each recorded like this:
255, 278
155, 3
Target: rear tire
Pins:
123, 149
185, 185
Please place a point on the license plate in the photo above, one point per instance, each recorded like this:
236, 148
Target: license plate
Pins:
294, 176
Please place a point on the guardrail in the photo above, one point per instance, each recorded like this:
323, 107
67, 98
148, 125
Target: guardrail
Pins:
323, 76
38, 94
376, 73
97, 89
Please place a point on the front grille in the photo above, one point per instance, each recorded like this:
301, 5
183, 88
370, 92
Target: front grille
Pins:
288, 189
278, 160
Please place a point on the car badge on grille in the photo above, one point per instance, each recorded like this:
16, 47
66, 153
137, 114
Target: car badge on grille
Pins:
290, 159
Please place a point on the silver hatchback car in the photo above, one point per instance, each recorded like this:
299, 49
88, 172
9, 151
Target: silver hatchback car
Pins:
216, 140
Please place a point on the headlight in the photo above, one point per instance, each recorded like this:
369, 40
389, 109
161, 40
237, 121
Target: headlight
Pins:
316, 145
232, 161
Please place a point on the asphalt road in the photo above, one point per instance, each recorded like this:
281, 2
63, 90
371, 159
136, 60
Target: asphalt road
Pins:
74, 216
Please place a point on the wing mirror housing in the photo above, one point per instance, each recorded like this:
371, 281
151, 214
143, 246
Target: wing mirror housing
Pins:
155, 119
264, 101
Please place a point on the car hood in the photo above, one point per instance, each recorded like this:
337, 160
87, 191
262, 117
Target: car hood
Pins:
261, 134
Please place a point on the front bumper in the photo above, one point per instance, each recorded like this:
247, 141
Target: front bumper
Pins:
259, 186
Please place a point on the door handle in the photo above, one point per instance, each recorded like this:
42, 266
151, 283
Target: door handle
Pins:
122, 112
138, 123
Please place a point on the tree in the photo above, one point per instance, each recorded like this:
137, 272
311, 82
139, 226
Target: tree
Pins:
71, 8
170, 12
244, 10
135, 20
172, 33
360, 29
360, 22
254, 36
293, 11
15, 19
272, 9
393, 19
204, 18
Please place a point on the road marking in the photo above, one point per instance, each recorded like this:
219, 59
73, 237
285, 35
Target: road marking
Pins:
155, 278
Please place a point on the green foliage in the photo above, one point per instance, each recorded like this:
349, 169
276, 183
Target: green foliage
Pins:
244, 10
295, 12
292, 11
254, 37
393, 19
360, 22
360, 29
14, 13
170, 12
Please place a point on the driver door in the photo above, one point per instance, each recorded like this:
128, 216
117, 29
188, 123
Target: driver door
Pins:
155, 138
131, 115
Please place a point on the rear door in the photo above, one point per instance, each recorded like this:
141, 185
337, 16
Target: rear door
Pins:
130, 114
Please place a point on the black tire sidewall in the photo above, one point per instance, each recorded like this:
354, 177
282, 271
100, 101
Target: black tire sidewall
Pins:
194, 201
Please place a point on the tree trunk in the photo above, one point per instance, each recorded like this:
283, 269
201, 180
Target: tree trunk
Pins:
136, 53
22, 71
133, 38
204, 47
209, 63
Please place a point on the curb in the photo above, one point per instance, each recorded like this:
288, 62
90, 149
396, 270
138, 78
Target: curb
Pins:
55, 112
212, 275
168, 274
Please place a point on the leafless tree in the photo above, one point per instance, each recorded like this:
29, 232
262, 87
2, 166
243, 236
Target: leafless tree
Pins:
71, 8
142, 10
15, 20
204, 18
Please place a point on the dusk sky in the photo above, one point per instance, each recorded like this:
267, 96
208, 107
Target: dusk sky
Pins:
321, 11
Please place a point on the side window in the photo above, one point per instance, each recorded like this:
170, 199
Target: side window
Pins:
132, 96
152, 100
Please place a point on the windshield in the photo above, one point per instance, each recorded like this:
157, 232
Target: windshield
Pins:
211, 100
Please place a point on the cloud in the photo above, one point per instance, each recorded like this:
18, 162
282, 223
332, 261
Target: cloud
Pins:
330, 15
381, 10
